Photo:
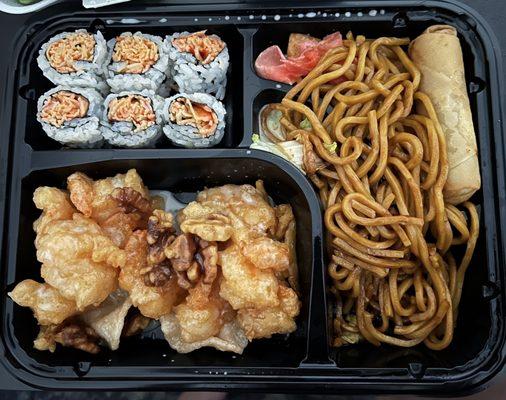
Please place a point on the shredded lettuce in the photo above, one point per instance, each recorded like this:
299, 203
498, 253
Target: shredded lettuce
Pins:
305, 124
290, 150
331, 148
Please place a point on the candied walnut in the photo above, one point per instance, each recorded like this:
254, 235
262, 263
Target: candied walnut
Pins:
181, 252
135, 324
158, 275
130, 200
68, 334
207, 257
80, 337
182, 280
205, 223
160, 235
153, 302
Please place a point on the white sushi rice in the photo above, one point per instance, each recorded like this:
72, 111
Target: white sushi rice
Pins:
88, 74
79, 132
187, 135
190, 76
152, 79
121, 134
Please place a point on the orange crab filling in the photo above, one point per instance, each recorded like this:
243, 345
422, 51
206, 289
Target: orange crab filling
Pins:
62, 107
184, 112
132, 108
136, 52
204, 48
63, 53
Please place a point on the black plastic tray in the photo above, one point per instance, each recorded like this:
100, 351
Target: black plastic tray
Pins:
304, 361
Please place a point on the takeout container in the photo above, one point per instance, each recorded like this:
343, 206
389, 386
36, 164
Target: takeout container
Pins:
303, 361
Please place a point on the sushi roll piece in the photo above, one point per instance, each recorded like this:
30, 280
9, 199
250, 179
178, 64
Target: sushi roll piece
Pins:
136, 61
198, 63
194, 120
74, 59
132, 119
71, 116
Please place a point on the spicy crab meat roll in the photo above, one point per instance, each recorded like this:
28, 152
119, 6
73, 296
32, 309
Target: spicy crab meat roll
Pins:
131, 119
194, 120
136, 62
71, 116
198, 63
74, 59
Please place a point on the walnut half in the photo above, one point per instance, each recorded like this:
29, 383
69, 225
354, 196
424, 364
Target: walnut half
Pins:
160, 234
68, 334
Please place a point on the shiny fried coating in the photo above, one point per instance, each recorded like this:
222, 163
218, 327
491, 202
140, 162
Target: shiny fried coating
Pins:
120, 204
152, 301
204, 319
55, 205
266, 253
48, 305
68, 334
79, 260
264, 322
202, 314
256, 259
243, 284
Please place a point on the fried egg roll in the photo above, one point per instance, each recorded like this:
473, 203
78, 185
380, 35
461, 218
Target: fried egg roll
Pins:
438, 55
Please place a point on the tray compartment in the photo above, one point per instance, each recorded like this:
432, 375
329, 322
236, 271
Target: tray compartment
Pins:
476, 311
33, 84
194, 174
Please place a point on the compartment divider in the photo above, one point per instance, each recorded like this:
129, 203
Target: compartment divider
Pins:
249, 85
318, 341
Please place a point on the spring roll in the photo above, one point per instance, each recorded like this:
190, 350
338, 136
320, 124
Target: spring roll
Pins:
438, 55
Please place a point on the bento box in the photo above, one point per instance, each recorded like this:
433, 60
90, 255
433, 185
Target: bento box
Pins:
305, 360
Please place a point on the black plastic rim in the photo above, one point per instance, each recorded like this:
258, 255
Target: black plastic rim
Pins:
322, 370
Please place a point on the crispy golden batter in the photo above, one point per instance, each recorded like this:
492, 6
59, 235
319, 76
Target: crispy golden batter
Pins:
55, 205
78, 260
204, 319
152, 301
48, 305
119, 204
257, 258
264, 322
221, 282
244, 285
202, 315
266, 253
